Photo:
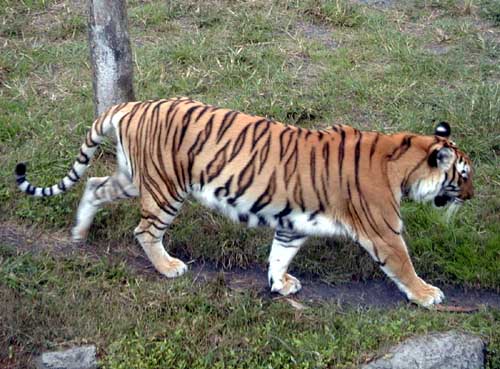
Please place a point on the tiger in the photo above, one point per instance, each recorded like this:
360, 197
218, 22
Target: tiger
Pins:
300, 182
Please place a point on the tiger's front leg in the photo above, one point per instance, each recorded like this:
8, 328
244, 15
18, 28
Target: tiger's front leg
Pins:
392, 256
285, 246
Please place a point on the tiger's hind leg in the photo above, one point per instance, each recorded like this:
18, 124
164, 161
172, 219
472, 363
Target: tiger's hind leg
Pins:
99, 191
155, 220
285, 246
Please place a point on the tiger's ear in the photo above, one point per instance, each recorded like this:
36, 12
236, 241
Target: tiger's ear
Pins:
443, 129
442, 158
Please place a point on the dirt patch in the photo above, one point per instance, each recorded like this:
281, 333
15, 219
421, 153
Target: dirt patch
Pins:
375, 3
374, 293
318, 33
4, 71
55, 15
437, 49
306, 71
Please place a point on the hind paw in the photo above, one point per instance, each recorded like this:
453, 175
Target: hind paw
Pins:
286, 286
79, 235
172, 267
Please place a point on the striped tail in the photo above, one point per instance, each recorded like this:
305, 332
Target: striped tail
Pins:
93, 139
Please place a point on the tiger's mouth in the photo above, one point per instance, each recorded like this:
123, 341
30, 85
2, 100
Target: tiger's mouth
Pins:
445, 199
442, 200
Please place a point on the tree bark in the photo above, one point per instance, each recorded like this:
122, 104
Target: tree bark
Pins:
110, 53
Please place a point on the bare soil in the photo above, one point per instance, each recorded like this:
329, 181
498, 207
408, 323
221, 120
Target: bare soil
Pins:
372, 293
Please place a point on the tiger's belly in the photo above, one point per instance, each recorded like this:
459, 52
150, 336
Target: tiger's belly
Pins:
309, 223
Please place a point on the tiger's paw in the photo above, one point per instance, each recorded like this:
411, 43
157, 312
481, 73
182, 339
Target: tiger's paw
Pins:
172, 267
427, 295
286, 286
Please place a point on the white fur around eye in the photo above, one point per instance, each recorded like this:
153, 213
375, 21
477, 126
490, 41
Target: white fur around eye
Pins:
463, 168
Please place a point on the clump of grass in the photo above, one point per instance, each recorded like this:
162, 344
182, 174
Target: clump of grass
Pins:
490, 10
334, 12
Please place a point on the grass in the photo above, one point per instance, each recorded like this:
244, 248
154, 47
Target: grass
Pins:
309, 63
142, 322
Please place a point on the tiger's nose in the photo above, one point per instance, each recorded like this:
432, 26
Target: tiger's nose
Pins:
468, 194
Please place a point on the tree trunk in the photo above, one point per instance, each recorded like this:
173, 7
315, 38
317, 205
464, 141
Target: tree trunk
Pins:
110, 53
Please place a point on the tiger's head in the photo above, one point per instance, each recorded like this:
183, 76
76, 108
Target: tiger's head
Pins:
445, 177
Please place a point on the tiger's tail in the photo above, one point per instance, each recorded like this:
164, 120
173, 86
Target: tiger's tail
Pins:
95, 136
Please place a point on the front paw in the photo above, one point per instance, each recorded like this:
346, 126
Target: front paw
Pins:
426, 295
287, 285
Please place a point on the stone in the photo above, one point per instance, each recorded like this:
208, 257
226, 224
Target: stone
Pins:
450, 350
83, 357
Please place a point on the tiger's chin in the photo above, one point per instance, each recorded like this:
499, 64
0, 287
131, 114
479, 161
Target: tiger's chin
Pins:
451, 204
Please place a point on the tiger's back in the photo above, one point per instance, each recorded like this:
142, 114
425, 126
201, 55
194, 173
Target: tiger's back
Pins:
253, 169
301, 182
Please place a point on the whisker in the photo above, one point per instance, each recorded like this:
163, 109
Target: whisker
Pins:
452, 209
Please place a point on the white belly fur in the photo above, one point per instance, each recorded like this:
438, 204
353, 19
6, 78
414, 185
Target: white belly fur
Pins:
320, 225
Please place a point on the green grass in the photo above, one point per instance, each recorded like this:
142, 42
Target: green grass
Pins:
311, 63
382, 74
144, 322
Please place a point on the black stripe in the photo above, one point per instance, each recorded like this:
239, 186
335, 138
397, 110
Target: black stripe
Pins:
86, 158
313, 215
291, 165
31, 190
285, 141
390, 227
326, 158
224, 190
154, 217
89, 139
201, 113
198, 145
243, 181
75, 174
61, 186
258, 135
266, 197
263, 154
402, 149
122, 189
286, 210
186, 120
357, 156
220, 155
146, 231
102, 184
341, 154
351, 206
225, 124
238, 144
373, 147
287, 237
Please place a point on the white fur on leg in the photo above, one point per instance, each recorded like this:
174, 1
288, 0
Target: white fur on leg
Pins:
86, 210
279, 260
